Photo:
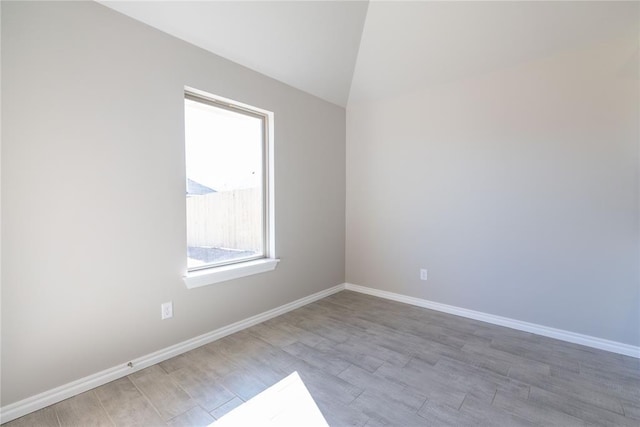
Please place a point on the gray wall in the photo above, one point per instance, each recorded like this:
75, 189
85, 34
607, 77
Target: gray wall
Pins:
517, 189
93, 211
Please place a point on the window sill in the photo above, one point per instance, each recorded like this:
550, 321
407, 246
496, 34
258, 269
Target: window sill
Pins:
209, 276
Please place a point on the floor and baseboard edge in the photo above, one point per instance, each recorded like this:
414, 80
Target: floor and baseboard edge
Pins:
50, 397
572, 337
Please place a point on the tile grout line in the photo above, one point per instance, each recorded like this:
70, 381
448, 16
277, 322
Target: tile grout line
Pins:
463, 399
177, 385
147, 398
55, 412
113, 423
417, 410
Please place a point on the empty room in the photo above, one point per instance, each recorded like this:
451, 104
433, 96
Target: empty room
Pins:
312, 213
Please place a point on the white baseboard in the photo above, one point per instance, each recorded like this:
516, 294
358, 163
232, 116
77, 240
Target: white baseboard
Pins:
50, 397
39, 401
586, 340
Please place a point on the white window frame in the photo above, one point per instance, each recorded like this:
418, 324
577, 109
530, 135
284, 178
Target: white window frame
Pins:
221, 273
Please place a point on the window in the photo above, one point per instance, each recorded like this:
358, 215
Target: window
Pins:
228, 190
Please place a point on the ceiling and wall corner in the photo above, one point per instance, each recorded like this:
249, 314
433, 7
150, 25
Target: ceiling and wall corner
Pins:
353, 51
411, 45
310, 45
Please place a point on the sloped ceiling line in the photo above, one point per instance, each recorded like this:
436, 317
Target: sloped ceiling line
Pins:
310, 45
360, 51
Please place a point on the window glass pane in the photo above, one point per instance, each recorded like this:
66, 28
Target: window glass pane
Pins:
224, 163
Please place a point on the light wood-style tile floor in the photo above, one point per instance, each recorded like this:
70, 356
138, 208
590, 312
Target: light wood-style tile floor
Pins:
369, 361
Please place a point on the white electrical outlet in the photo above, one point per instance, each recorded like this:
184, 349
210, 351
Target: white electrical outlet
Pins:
167, 310
423, 274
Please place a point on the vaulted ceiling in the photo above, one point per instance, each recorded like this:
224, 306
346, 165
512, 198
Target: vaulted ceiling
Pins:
310, 45
351, 51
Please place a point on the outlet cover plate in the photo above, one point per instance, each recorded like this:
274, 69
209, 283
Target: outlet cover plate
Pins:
167, 310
